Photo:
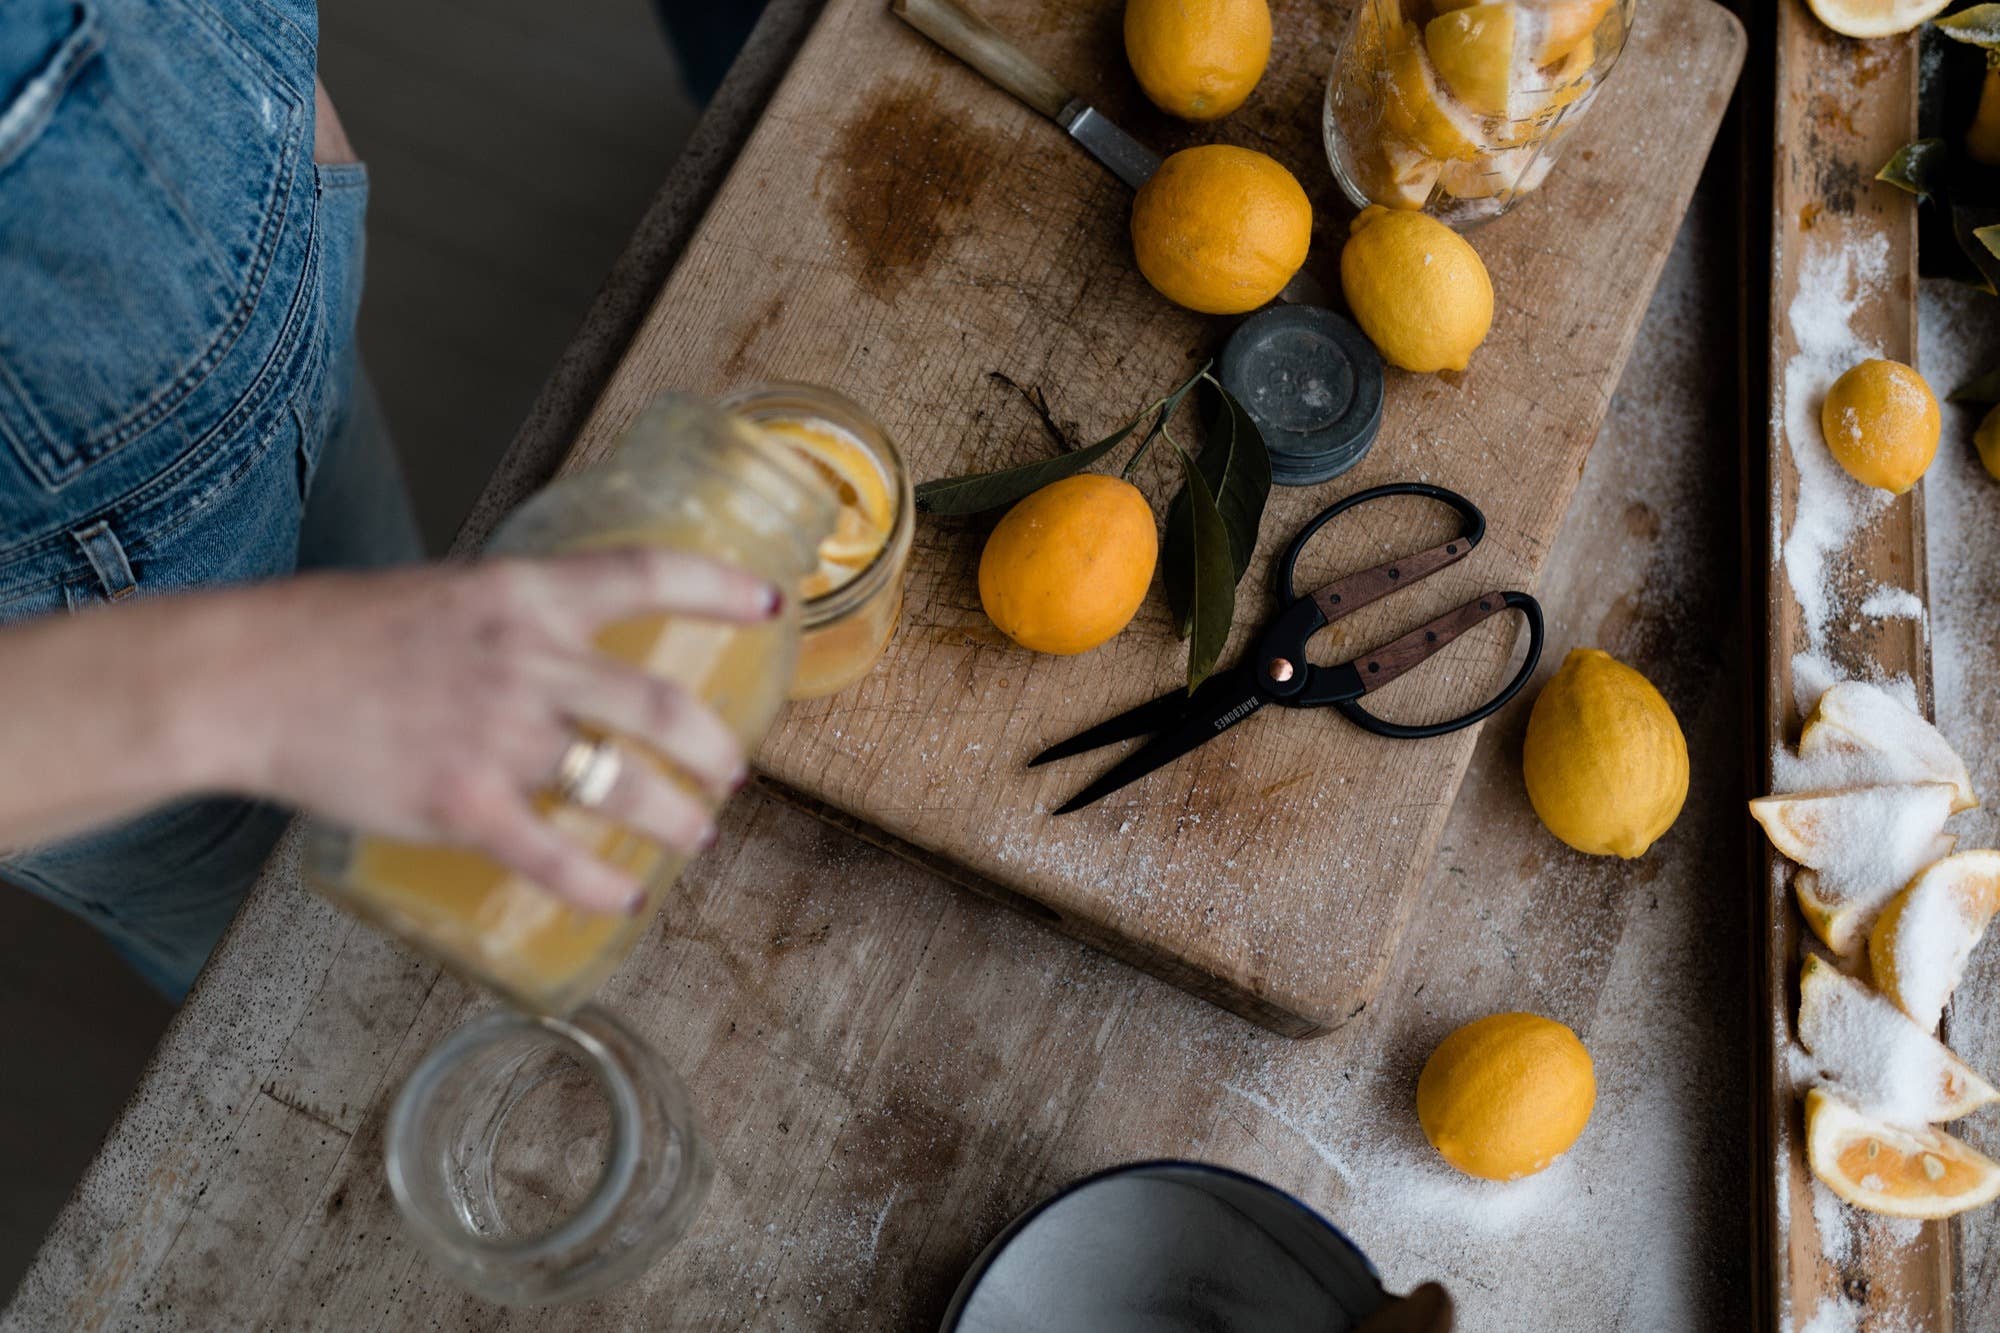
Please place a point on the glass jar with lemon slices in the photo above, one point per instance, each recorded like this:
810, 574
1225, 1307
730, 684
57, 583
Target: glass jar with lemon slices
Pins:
685, 476
855, 594
1460, 108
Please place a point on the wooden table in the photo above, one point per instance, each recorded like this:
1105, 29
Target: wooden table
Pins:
889, 1068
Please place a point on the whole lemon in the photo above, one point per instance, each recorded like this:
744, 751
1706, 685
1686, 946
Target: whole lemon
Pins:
1198, 59
1220, 229
1417, 288
1605, 761
1881, 421
1067, 567
1987, 440
1506, 1095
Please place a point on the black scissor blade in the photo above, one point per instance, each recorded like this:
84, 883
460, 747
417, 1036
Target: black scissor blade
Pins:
1211, 710
1143, 720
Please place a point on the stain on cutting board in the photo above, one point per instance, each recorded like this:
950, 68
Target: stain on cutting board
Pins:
901, 178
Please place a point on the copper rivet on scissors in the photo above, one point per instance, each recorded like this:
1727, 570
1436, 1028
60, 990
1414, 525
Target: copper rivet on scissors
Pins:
1279, 670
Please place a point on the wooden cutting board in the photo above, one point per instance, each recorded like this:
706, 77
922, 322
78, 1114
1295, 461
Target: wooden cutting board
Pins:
900, 230
1841, 108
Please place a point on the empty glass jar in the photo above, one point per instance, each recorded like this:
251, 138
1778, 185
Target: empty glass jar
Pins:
541, 1160
1460, 109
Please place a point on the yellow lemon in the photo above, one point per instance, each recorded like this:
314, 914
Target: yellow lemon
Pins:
1605, 762
1473, 50
1417, 288
1881, 421
1506, 1095
1886, 1169
1068, 566
1987, 440
1220, 229
1198, 59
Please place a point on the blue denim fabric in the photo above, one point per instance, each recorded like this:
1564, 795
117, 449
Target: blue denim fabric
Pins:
181, 403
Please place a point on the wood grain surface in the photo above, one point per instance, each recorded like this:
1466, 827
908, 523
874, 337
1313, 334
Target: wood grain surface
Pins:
889, 1070
1842, 108
900, 230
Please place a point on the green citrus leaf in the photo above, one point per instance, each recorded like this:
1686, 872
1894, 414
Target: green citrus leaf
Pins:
1917, 167
1978, 233
1168, 406
980, 491
1237, 467
1978, 26
1980, 389
1212, 599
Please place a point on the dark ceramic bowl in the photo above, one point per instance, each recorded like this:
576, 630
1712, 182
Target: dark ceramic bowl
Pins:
1167, 1247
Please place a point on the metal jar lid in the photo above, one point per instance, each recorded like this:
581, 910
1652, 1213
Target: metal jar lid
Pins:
1313, 384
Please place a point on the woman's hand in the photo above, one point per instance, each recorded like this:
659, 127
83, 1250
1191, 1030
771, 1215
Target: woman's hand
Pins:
428, 704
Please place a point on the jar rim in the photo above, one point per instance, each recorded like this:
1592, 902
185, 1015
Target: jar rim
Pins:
780, 398
466, 1044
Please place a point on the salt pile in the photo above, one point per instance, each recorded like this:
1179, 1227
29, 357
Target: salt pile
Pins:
1833, 284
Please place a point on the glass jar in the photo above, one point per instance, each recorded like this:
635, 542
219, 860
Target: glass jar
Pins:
685, 476
1460, 109
542, 1160
854, 598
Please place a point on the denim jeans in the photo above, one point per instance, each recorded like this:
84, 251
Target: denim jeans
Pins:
181, 400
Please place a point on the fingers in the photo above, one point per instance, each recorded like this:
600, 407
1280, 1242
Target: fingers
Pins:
647, 800
501, 822
592, 588
662, 714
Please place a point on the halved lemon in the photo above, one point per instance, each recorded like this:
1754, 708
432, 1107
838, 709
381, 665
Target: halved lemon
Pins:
1875, 18
1920, 943
1878, 1057
1473, 51
1889, 741
1841, 913
1923, 1173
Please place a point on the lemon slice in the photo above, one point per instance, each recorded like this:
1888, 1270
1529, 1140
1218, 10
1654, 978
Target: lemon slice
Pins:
1842, 914
1874, 18
1559, 27
1878, 1057
1473, 52
1923, 1173
1919, 945
1856, 828
851, 472
1414, 107
1861, 732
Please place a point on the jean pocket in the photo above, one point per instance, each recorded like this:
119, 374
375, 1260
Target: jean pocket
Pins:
144, 171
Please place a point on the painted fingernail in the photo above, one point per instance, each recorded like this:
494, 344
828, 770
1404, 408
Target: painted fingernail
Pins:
636, 903
774, 601
707, 838
737, 783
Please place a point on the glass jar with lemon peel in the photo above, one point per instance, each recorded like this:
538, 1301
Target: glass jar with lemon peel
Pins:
855, 595
1459, 109
685, 476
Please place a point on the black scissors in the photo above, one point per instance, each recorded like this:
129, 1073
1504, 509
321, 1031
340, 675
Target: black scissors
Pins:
1277, 672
